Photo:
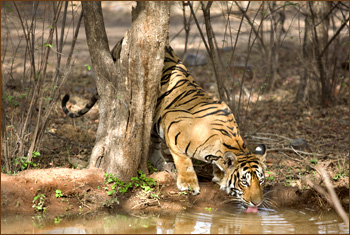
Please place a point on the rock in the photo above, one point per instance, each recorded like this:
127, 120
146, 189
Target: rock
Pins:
195, 59
163, 177
299, 144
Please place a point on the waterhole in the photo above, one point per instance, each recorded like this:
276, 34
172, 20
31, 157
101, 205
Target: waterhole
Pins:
199, 220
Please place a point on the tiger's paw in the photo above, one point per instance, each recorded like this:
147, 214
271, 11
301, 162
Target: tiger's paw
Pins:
193, 186
222, 185
216, 179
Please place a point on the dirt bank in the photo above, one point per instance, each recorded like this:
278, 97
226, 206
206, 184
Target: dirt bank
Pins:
83, 191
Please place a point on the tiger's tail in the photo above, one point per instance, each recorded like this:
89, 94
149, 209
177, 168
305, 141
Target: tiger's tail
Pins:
81, 112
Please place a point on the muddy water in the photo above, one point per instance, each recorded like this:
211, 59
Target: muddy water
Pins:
201, 220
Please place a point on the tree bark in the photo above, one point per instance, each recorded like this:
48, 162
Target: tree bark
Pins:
307, 55
320, 20
127, 88
277, 20
314, 60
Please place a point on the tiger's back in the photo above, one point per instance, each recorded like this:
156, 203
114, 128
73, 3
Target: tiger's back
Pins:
189, 113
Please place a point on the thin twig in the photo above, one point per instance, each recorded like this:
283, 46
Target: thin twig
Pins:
334, 36
294, 159
280, 136
231, 63
74, 39
218, 70
35, 135
331, 196
187, 27
40, 82
255, 131
199, 28
65, 76
60, 45
250, 47
252, 25
296, 151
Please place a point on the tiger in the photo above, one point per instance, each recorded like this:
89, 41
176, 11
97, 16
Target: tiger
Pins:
195, 126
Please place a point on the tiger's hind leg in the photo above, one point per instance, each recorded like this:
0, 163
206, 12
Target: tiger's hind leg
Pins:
155, 153
186, 176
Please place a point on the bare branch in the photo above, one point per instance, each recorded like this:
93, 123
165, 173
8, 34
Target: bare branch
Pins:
331, 196
97, 38
334, 36
217, 65
296, 151
76, 33
60, 45
199, 28
252, 25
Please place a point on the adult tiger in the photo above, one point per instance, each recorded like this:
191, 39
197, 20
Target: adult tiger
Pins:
193, 125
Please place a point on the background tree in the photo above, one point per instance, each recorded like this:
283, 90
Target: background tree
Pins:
320, 26
128, 88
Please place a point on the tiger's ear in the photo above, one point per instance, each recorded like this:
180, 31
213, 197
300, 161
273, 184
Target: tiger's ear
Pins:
260, 152
229, 158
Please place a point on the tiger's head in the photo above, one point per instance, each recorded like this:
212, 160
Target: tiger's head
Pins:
245, 176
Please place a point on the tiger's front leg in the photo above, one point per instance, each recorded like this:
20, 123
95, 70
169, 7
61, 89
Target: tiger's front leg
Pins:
217, 174
186, 176
218, 177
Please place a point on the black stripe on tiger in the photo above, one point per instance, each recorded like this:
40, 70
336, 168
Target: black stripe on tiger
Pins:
174, 122
187, 147
224, 132
177, 85
211, 158
230, 147
177, 135
203, 144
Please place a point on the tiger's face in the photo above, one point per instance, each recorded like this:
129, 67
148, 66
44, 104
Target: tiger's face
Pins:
245, 177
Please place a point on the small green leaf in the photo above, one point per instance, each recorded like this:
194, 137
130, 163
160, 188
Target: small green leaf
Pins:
36, 154
109, 193
57, 220
48, 45
110, 180
58, 193
88, 66
209, 209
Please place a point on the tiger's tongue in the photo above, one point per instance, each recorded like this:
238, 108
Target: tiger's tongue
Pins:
251, 209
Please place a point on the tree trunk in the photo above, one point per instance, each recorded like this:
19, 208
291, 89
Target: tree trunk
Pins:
314, 62
127, 88
307, 55
277, 20
4, 141
320, 20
